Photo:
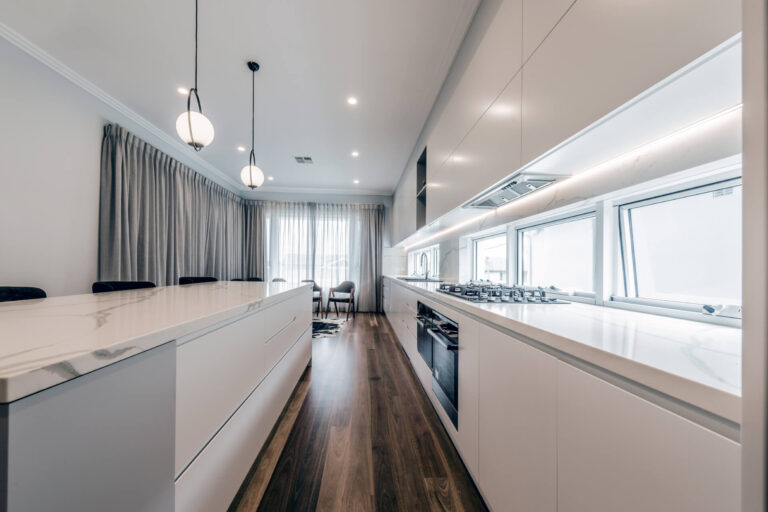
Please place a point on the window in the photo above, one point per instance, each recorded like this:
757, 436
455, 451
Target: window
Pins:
491, 258
558, 254
684, 247
432, 263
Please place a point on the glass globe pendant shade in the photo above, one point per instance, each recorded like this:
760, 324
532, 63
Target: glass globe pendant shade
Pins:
252, 176
195, 129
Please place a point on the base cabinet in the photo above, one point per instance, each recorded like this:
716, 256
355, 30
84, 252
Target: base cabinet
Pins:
617, 451
538, 434
518, 424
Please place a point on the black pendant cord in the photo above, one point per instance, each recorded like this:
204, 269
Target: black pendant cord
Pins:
192, 91
254, 67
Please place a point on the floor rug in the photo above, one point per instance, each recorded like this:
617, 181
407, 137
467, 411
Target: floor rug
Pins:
327, 327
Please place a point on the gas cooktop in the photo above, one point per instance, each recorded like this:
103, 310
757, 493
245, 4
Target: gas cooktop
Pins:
482, 291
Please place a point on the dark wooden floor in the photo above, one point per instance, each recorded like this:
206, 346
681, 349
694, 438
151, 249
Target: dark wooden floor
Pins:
359, 434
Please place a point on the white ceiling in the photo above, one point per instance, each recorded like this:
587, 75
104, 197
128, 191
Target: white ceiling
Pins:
393, 55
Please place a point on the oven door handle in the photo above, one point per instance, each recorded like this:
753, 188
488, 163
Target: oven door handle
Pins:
440, 338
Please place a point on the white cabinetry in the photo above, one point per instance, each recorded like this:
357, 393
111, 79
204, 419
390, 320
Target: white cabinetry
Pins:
602, 54
489, 153
404, 206
617, 451
492, 51
517, 424
538, 19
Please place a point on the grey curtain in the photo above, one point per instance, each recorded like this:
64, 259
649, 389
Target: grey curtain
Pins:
159, 219
254, 248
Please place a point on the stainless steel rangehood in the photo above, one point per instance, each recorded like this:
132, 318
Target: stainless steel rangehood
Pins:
516, 186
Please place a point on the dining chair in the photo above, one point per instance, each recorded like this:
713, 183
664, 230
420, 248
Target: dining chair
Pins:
342, 294
255, 279
13, 293
196, 279
117, 286
317, 296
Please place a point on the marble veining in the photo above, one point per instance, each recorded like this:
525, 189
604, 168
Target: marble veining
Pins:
45, 342
696, 362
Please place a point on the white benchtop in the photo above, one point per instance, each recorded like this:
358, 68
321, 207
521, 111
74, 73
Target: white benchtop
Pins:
696, 362
44, 342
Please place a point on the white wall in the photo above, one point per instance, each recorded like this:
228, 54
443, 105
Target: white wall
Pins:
49, 177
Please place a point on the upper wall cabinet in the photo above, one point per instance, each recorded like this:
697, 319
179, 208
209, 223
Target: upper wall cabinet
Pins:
404, 207
489, 153
603, 54
538, 19
490, 56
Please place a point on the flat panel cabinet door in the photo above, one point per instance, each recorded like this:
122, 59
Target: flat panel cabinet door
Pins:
517, 424
617, 451
489, 153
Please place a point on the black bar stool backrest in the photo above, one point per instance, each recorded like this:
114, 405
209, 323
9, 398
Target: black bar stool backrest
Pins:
116, 286
255, 279
12, 293
196, 279
278, 280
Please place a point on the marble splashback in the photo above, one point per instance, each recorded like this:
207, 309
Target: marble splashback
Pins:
48, 341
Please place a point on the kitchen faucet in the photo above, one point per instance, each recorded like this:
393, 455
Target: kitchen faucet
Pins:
424, 263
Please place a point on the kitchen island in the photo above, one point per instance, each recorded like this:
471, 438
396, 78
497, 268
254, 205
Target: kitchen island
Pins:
161, 398
576, 407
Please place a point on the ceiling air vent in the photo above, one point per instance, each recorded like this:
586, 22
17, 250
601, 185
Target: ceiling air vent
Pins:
517, 186
303, 159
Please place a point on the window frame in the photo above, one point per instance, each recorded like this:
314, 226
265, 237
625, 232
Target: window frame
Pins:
584, 213
434, 257
628, 278
473, 250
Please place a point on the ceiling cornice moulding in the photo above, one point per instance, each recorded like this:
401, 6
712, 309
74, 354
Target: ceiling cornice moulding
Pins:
86, 85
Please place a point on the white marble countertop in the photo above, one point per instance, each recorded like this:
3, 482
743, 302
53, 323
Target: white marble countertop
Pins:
44, 342
696, 362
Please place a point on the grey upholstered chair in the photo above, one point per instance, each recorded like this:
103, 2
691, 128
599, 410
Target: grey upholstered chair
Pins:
279, 280
13, 293
196, 279
342, 294
116, 286
317, 296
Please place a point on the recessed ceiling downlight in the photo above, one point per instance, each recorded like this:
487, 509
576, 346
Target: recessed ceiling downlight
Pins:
356, 182
182, 90
352, 100
355, 154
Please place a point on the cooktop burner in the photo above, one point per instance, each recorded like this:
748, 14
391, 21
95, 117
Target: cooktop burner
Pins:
483, 291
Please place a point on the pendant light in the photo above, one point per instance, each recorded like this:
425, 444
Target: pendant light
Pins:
193, 127
251, 174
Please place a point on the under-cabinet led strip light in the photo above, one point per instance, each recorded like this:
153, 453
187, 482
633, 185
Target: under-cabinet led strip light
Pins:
648, 147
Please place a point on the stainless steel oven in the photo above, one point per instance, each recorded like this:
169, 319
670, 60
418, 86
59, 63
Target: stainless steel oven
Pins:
445, 365
438, 344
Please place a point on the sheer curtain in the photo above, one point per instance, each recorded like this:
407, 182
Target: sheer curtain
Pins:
328, 243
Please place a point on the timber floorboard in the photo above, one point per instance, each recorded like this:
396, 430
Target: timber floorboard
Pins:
359, 433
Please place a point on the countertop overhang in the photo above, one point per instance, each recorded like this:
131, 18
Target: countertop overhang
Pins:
695, 362
45, 342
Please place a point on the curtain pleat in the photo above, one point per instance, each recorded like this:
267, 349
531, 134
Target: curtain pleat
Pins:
159, 219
